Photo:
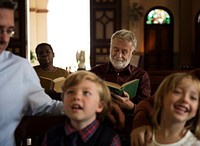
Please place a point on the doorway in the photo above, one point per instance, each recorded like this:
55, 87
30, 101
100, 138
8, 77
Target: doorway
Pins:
158, 40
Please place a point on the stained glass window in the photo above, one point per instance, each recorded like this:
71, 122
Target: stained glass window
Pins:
158, 16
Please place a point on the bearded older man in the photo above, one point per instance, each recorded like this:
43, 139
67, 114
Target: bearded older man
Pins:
119, 70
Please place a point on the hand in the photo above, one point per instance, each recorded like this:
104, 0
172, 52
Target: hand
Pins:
117, 117
123, 101
141, 136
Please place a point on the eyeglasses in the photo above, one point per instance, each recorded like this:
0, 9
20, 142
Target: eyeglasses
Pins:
9, 31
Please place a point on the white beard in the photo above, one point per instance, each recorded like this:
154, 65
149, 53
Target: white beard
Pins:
119, 64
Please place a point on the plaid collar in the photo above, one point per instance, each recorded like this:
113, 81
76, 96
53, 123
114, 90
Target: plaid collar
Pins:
85, 133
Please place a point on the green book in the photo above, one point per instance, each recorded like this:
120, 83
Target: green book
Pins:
129, 87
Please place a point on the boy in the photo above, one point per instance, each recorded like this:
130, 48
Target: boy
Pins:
86, 102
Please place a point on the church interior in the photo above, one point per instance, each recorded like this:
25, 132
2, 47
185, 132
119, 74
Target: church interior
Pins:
168, 35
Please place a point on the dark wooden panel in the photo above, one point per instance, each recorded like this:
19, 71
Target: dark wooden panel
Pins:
105, 18
158, 47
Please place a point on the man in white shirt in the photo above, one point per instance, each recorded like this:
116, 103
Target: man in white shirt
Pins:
20, 90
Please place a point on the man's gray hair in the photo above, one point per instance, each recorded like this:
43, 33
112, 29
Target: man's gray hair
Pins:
125, 35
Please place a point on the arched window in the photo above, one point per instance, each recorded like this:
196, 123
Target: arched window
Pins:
158, 16
158, 39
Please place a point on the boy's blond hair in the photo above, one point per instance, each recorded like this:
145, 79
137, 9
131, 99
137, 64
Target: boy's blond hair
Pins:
104, 93
168, 85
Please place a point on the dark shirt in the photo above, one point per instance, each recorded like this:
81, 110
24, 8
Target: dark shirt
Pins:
107, 72
142, 113
86, 134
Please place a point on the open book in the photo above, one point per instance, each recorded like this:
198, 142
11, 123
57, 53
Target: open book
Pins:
129, 87
52, 84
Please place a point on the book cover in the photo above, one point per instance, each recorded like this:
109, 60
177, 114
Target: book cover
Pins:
52, 84
129, 87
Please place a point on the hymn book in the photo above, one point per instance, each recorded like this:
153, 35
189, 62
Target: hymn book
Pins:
52, 84
129, 87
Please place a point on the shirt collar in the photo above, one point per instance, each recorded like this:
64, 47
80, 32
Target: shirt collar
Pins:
85, 133
2, 56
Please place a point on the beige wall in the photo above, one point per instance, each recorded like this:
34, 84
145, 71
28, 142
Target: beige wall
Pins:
38, 23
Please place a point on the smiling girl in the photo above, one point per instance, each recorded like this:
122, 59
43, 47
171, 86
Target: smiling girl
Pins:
176, 111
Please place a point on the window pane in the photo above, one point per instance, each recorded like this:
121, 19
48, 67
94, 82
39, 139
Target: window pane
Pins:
158, 16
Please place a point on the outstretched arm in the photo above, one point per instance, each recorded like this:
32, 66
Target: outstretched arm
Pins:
141, 135
142, 131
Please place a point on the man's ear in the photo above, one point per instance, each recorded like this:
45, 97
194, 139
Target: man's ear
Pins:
134, 51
